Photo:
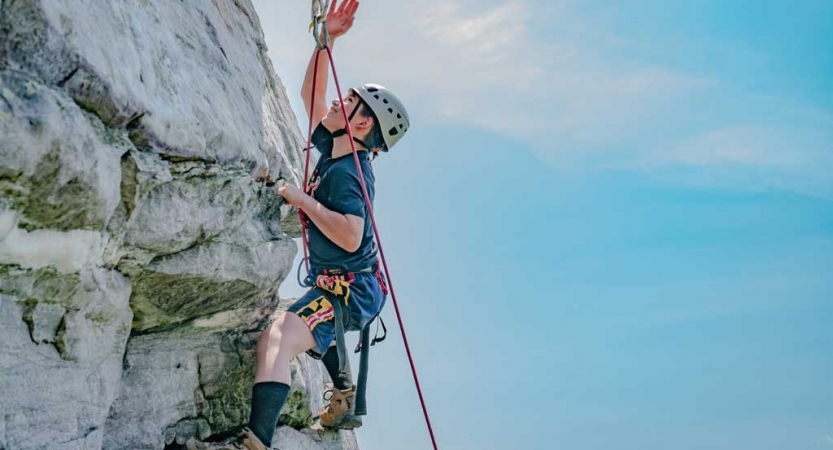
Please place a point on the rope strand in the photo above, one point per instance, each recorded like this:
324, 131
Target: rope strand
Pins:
306, 163
381, 250
372, 222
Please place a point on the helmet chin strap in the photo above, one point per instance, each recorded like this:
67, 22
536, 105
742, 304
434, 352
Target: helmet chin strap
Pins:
343, 131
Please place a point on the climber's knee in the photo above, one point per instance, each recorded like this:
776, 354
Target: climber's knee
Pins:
287, 334
268, 339
295, 337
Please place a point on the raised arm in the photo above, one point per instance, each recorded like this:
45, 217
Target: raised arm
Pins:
339, 21
319, 109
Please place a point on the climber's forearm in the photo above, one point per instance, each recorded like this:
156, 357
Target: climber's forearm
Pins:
318, 110
345, 230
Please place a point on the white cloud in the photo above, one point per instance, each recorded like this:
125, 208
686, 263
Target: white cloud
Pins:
552, 78
750, 145
491, 36
481, 65
754, 157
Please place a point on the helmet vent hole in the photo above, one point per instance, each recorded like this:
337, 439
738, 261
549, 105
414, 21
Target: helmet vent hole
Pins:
390, 110
385, 101
372, 89
400, 126
399, 116
376, 96
393, 131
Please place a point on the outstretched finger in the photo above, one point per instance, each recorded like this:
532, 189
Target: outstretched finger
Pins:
343, 6
333, 6
352, 7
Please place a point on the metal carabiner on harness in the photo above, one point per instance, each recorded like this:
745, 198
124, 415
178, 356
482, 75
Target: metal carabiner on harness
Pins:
320, 8
309, 280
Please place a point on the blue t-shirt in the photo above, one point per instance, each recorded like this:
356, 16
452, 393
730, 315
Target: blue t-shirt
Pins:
335, 184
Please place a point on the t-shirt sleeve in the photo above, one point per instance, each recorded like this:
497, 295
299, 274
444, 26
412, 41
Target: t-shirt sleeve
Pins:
347, 196
321, 139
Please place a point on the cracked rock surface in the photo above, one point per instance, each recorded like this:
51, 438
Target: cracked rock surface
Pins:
139, 257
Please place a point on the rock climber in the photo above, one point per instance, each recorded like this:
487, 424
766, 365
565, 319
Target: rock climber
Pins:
342, 252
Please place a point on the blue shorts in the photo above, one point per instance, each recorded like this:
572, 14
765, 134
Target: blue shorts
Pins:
361, 294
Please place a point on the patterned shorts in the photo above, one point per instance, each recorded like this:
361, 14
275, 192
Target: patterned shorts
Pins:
361, 294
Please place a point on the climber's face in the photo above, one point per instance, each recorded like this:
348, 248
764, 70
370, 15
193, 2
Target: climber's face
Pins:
334, 120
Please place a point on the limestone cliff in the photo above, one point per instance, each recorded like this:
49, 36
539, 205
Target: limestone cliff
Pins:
139, 258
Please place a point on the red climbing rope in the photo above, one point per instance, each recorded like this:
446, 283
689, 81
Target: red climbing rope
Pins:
306, 164
372, 222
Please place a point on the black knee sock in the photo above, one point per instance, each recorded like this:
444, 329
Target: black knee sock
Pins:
267, 400
330, 361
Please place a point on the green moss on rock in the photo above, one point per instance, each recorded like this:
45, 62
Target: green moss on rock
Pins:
229, 404
161, 299
66, 206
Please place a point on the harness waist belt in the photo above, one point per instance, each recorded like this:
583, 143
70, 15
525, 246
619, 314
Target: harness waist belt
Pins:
317, 272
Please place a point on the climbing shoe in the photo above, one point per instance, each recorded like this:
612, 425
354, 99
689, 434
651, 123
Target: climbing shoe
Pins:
339, 414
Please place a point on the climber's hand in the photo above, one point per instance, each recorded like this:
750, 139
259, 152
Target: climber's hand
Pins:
292, 194
340, 20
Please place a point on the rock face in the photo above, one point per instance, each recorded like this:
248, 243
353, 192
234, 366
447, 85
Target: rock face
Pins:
139, 258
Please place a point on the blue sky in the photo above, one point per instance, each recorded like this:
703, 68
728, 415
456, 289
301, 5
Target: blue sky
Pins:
610, 226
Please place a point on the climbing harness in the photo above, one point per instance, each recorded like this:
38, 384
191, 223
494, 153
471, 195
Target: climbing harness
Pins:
319, 14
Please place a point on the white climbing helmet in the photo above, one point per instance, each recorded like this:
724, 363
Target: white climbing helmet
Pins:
389, 111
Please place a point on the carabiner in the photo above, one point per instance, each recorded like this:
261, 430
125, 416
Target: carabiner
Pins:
308, 281
319, 17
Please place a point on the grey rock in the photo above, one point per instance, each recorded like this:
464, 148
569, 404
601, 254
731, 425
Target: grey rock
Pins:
60, 379
289, 438
290, 223
67, 251
196, 380
207, 279
189, 79
58, 165
196, 238
43, 320
139, 256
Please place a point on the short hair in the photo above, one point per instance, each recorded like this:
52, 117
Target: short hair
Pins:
375, 140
